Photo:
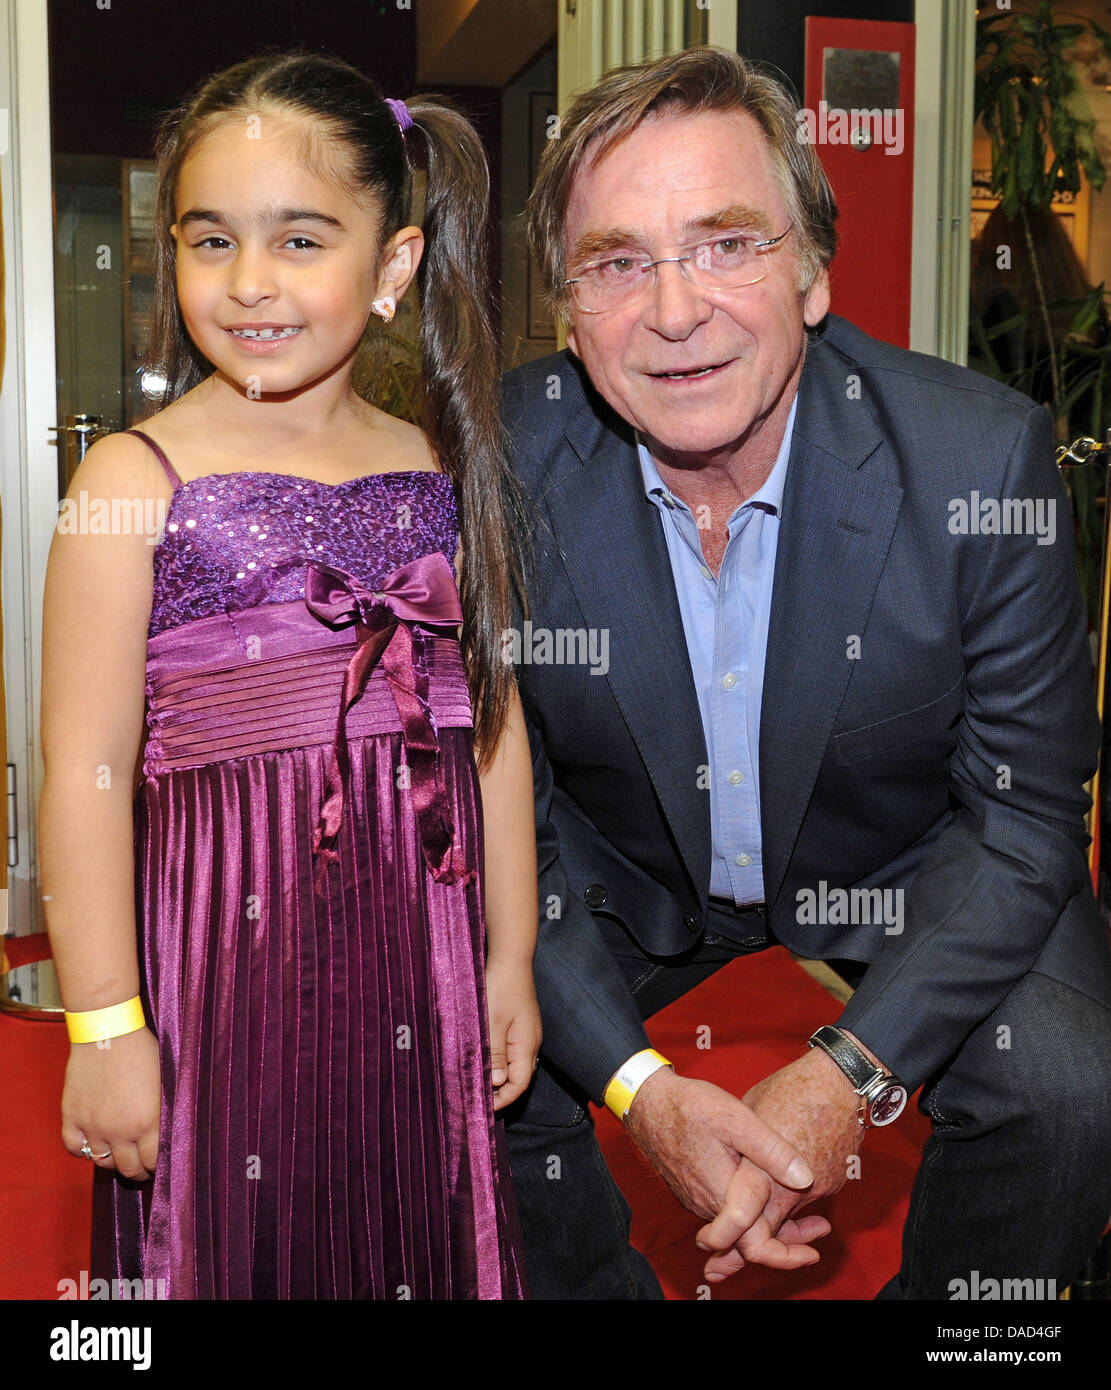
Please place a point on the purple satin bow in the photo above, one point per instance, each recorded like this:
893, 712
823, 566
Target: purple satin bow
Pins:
391, 625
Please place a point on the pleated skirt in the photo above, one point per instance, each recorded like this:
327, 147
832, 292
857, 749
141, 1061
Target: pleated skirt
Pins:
327, 1129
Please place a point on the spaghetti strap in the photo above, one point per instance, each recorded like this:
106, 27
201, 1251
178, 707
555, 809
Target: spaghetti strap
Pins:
175, 481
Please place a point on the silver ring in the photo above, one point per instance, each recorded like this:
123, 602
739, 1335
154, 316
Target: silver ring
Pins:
86, 1152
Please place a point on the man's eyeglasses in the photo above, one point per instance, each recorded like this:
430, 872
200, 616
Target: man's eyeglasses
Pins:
723, 263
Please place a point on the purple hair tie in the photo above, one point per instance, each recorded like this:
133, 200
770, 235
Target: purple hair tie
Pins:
401, 114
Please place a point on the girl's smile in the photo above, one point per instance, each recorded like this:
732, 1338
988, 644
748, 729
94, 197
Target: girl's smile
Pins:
263, 337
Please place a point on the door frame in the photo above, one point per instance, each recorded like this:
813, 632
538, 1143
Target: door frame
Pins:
28, 401
941, 253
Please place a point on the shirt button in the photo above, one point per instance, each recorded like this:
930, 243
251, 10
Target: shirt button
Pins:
744, 860
595, 895
736, 777
729, 680
707, 572
690, 921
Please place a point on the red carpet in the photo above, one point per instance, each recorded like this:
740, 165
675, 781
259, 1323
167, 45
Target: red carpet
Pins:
23, 950
44, 1200
759, 1011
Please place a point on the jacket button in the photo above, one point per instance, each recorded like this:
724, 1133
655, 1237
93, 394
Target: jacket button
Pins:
691, 922
595, 895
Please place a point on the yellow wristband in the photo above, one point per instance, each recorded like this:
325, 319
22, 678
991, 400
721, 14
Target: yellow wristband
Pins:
630, 1078
114, 1022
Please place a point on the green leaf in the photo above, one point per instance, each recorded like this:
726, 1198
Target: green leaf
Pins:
987, 89
976, 323
1093, 167
1027, 150
1010, 193
1008, 325
1087, 316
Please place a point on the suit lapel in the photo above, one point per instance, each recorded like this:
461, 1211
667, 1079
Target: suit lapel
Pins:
616, 559
836, 527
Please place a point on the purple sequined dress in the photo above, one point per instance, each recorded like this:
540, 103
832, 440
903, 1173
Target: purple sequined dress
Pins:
308, 839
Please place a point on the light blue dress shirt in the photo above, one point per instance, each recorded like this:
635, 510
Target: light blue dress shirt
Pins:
725, 621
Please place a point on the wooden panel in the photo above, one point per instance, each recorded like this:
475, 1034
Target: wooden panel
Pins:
635, 30
613, 51
676, 25
657, 29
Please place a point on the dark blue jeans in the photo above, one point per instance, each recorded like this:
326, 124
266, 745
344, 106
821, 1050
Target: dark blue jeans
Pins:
1015, 1182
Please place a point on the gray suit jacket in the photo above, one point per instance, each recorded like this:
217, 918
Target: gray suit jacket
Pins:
947, 759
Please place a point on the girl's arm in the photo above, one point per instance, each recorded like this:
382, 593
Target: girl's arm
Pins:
511, 908
95, 615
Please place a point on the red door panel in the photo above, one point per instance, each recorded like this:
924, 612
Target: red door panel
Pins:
855, 67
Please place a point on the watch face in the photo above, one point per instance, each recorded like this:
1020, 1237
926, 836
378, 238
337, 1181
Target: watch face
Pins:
888, 1105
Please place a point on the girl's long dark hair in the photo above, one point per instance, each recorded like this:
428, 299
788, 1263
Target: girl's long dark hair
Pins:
369, 154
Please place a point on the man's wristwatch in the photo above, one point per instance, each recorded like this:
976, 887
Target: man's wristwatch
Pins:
882, 1096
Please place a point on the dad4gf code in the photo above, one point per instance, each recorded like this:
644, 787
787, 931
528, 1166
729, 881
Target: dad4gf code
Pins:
988, 1333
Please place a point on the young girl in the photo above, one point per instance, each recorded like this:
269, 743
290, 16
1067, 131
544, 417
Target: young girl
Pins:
287, 1086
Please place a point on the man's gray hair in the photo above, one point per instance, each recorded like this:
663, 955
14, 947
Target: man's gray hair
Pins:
694, 81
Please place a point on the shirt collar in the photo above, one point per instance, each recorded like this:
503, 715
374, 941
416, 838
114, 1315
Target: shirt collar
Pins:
770, 494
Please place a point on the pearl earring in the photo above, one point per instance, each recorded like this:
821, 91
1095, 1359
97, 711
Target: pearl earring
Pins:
385, 307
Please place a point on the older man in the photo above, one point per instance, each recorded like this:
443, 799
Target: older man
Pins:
838, 709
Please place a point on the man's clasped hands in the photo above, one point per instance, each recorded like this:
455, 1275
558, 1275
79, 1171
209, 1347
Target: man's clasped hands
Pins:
750, 1166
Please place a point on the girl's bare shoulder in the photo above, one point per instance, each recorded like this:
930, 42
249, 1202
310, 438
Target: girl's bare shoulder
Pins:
120, 465
399, 445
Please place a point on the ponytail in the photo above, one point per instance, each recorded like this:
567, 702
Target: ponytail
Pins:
460, 403
461, 414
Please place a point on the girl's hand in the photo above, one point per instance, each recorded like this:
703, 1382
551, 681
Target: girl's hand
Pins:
113, 1098
514, 1027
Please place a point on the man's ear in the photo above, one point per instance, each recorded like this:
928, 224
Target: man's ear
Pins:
572, 340
816, 304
